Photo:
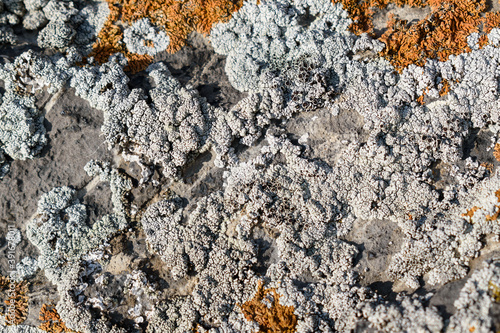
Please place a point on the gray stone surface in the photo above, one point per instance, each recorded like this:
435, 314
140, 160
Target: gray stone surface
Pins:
313, 170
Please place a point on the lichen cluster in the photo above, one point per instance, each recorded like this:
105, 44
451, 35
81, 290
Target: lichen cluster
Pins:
18, 298
177, 18
336, 133
272, 317
443, 32
496, 152
51, 321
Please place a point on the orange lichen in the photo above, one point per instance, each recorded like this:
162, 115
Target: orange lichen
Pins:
487, 166
420, 98
442, 33
497, 213
496, 152
361, 12
470, 213
483, 41
275, 318
51, 321
18, 298
491, 20
494, 217
445, 88
177, 17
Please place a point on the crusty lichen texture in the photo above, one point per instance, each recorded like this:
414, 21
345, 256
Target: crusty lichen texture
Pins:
448, 30
273, 317
443, 32
51, 321
176, 18
70, 245
16, 302
255, 216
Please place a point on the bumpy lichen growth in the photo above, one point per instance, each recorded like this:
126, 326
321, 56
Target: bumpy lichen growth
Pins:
19, 298
51, 321
272, 317
496, 152
66, 237
177, 18
361, 12
443, 32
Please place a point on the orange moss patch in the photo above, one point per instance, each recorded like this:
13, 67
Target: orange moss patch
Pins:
496, 152
51, 321
18, 298
442, 33
177, 17
275, 318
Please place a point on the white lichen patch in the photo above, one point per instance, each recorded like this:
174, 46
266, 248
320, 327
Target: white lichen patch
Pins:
144, 38
66, 239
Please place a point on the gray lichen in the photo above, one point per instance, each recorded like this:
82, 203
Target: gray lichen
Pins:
282, 215
4, 164
143, 38
266, 37
475, 301
65, 238
22, 133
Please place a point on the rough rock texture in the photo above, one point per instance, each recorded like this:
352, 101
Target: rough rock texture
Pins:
281, 151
